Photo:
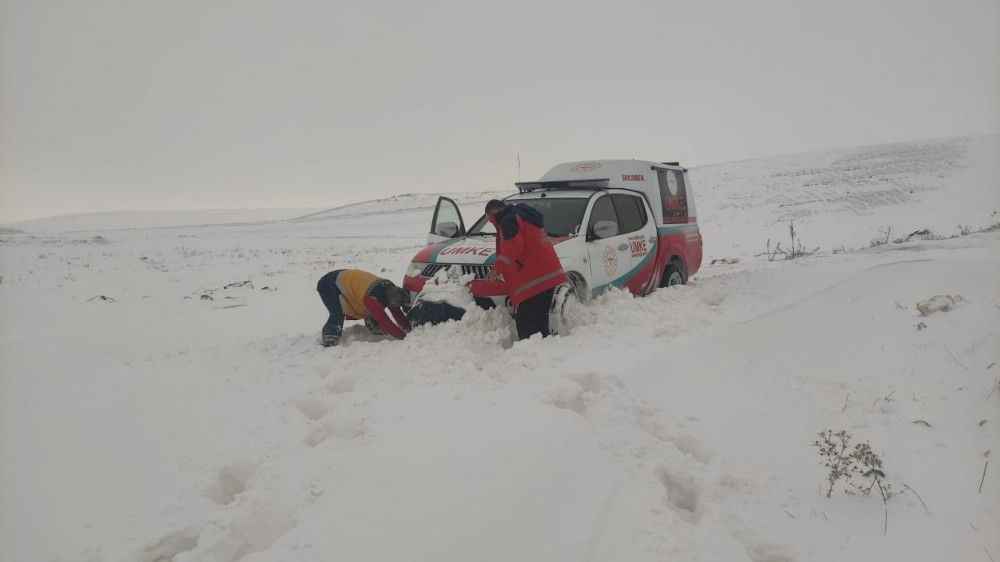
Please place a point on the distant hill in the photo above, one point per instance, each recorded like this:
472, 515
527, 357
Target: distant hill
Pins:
936, 184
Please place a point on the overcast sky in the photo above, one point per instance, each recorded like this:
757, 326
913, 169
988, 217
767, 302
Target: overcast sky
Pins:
111, 105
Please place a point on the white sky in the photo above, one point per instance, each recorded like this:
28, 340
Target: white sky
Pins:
112, 104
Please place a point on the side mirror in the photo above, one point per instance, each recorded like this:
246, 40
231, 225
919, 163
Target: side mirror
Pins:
447, 229
605, 229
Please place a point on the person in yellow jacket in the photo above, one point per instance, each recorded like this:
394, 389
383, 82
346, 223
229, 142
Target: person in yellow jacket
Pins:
358, 295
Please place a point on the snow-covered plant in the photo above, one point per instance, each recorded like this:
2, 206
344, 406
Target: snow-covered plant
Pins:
885, 235
870, 470
796, 250
858, 466
835, 453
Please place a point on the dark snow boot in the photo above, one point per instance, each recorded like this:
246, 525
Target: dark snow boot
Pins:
331, 336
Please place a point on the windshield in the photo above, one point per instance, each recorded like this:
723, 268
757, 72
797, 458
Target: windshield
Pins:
563, 216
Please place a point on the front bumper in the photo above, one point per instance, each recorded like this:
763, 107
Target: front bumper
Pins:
483, 290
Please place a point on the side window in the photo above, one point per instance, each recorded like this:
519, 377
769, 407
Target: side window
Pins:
603, 220
488, 228
641, 205
631, 212
673, 194
483, 226
447, 219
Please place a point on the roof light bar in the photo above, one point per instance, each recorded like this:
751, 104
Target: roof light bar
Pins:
595, 185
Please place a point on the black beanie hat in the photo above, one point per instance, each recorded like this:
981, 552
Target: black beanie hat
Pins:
495, 205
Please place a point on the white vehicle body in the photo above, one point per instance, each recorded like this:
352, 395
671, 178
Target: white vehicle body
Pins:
614, 223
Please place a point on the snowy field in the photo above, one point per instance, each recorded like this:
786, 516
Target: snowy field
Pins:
163, 396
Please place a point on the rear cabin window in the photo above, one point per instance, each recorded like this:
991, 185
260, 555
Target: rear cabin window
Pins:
673, 194
631, 212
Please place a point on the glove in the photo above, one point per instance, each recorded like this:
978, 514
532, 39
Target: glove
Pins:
373, 326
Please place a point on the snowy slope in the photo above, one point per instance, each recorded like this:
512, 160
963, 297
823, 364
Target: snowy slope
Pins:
847, 198
117, 220
191, 415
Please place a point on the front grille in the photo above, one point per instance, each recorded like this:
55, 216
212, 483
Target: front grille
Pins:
480, 271
432, 268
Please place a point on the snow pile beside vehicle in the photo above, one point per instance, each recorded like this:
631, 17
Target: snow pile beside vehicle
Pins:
448, 286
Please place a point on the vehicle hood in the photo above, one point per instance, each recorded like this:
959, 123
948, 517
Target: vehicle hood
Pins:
473, 250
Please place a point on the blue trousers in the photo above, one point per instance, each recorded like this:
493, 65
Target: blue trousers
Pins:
330, 295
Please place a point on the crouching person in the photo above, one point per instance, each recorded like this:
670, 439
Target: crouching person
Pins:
353, 294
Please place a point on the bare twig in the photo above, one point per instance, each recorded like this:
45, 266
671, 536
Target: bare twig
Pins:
797, 249
988, 553
907, 486
960, 364
983, 479
846, 400
886, 398
885, 507
924, 423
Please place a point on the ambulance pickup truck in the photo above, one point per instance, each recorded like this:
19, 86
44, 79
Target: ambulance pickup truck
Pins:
629, 224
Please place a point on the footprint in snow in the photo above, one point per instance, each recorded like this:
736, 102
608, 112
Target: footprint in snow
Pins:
577, 392
653, 423
170, 546
770, 553
683, 492
231, 481
256, 527
757, 549
312, 408
342, 384
346, 426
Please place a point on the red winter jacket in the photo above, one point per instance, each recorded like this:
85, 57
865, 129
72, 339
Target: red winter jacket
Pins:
377, 311
525, 257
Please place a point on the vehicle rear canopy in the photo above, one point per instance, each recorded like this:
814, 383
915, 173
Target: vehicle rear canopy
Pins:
664, 183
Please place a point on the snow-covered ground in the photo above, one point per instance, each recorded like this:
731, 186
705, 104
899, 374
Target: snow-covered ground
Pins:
163, 396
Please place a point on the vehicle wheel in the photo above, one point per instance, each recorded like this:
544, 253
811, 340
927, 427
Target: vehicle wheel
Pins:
564, 300
673, 275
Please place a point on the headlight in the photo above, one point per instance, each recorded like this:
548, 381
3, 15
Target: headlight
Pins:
415, 269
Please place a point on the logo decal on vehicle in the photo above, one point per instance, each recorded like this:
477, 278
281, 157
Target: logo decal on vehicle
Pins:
466, 251
586, 166
638, 246
610, 261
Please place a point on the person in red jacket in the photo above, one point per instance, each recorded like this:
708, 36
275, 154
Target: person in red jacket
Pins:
358, 295
527, 263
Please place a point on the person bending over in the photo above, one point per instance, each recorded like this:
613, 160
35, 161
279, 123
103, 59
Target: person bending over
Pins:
353, 294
